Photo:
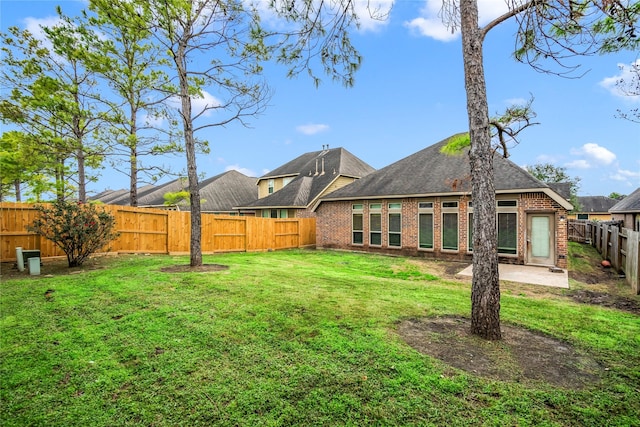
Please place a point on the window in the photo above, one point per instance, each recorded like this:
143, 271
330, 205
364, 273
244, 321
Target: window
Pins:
283, 213
583, 216
507, 217
450, 226
395, 224
287, 180
425, 225
507, 233
357, 225
375, 224
470, 233
271, 186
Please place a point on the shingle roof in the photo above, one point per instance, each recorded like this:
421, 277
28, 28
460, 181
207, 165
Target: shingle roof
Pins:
314, 172
595, 203
232, 188
631, 203
562, 188
219, 193
430, 172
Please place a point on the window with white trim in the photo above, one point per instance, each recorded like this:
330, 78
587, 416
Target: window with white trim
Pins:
271, 185
375, 224
395, 224
450, 226
507, 224
425, 225
357, 224
470, 227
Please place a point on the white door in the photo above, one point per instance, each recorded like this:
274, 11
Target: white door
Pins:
540, 239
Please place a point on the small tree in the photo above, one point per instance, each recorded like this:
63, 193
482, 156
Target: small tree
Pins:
78, 229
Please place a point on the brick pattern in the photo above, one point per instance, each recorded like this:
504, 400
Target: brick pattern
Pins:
334, 227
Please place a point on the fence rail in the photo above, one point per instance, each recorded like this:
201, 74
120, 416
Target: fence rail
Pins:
620, 246
144, 230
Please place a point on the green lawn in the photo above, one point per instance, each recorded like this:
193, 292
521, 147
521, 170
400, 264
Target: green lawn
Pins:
283, 338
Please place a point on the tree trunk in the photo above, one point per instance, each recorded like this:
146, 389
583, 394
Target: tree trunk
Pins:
82, 180
80, 154
16, 186
133, 178
485, 290
195, 247
133, 160
60, 184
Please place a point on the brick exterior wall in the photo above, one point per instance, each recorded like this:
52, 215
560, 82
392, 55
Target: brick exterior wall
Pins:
334, 227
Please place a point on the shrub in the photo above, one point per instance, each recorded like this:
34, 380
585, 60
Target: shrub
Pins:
78, 229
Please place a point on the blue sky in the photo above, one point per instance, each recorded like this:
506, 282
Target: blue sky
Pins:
409, 94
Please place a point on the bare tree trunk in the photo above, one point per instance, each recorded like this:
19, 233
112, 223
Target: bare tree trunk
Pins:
82, 184
60, 184
133, 160
485, 291
16, 186
195, 247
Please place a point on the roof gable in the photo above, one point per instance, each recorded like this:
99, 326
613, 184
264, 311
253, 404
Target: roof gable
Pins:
314, 173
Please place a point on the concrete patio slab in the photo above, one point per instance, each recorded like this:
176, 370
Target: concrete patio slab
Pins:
527, 274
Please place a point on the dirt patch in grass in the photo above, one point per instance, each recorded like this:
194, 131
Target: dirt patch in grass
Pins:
521, 356
608, 300
186, 268
58, 266
603, 286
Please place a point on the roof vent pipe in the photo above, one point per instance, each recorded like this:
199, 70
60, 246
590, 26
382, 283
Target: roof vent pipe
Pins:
315, 174
322, 173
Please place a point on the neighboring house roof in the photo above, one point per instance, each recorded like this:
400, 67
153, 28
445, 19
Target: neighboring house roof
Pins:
110, 196
219, 193
314, 172
630, 204
430, 172
592, 204
222, 192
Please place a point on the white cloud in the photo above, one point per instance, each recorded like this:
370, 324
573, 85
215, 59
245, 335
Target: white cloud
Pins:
34, 25
199, 104
516, 102
246, 171
372, 14
546, 158
625, 175
595, 152
312, 128
151, 120
624, 84
429, 23
578, 164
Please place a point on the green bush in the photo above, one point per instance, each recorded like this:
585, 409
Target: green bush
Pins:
78, 229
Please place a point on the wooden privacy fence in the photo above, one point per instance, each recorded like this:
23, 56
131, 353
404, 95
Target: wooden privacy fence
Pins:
157, 231
620, 246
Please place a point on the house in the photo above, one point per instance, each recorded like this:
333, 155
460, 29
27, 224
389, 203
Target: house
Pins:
218, 194
290, 190
627, 210
422, 206
593, 208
